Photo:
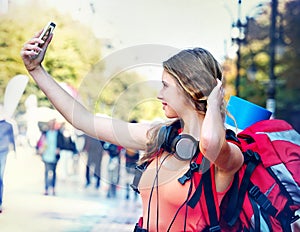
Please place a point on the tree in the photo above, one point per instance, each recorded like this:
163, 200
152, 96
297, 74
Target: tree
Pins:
287, 71
69, 57
289, 105
73, 58
122, 94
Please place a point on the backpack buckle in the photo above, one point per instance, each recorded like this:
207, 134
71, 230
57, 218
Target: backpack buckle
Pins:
231, 136
254, 192
188, 175
215, 228
252, 156
194, 166
262, 200
294, 218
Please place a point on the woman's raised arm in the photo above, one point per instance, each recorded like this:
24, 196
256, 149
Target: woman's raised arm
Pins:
226, 156
131, 135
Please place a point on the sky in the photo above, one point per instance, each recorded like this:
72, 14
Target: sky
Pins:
177, 23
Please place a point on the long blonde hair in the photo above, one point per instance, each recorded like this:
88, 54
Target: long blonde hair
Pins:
195, 71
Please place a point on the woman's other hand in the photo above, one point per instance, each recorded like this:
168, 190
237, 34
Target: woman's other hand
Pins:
216, 96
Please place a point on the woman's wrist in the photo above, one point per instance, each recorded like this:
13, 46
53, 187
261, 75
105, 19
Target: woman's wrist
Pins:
36, 69
37, 72
213, 109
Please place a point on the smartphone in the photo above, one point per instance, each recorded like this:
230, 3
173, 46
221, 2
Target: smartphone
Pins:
48, 29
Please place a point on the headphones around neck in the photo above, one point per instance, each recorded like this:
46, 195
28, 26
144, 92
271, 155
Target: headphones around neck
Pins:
183, 146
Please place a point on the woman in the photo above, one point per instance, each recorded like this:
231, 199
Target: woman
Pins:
192, 93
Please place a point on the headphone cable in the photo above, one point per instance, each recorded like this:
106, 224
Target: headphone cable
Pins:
151, 192
184, 203
180, 207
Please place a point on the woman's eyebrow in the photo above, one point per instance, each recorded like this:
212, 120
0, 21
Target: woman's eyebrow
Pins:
164, 82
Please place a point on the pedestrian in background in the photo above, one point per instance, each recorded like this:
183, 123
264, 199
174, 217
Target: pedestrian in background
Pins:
67, 150
49, 146
113, 168
131, 158
94, 149
7, 143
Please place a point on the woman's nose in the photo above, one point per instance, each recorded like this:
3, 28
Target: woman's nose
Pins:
159, 95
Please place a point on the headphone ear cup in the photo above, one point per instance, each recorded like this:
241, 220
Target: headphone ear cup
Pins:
172, 134
174, 143
162, 137
166, 136
185, 147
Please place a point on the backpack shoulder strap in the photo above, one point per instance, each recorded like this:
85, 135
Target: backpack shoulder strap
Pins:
139, 170
251, 159
209, 200
204, 165
211, 206
206, 184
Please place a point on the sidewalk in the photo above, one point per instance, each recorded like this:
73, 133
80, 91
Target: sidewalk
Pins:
74, 208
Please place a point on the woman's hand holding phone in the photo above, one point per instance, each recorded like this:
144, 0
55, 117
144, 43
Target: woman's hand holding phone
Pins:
33, 51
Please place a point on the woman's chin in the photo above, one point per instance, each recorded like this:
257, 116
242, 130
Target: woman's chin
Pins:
170, 116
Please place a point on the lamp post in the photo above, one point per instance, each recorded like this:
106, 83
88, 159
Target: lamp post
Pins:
276, 47
238, 37
271, 92
238, 67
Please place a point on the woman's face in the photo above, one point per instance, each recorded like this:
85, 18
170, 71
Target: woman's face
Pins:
172, 97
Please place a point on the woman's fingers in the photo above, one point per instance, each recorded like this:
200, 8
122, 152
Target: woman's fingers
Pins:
30, 51
217, 94
219, 83
222, 90
32, 44
31, 47
220, 87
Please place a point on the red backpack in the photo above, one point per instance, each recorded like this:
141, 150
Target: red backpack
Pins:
265, 193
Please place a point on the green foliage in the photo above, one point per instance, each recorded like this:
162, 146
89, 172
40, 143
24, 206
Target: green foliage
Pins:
289, 95
71, 58
134, 98
126, 95
70, 54
287, 69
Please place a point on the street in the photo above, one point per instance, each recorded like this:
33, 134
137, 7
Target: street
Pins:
73, 208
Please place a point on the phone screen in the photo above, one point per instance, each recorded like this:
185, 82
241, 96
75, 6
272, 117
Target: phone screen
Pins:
47, 31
